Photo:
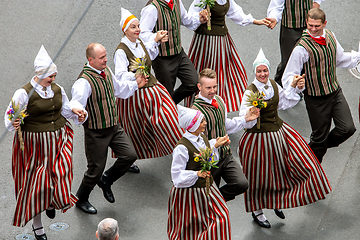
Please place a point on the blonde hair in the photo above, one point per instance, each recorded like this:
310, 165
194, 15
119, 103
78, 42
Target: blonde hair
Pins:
316, 13
207, 72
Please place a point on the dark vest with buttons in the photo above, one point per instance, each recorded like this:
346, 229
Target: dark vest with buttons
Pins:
191, 164
44, 114
269, 119
218, 26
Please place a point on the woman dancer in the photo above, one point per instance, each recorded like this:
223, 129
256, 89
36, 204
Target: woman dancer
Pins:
42, 171
216, 50
281, 169
149, 117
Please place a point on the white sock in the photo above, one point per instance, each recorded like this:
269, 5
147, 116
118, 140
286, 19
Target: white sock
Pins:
260, 217
133, 165
37, 223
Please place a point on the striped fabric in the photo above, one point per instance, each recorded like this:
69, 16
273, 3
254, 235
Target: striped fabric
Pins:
150, 119
169, 20
101, 104
320, 70
294, 14
42, 175
219, 53
215, 119
282, 170
192, 215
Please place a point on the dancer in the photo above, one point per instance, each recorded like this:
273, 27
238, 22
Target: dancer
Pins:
95, 90
281, 169
172, 61
42, 171
318, 53
192, 214
149, 117
215, 49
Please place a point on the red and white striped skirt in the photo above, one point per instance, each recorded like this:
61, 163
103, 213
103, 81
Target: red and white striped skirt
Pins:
193, 215
150, 119
219, 54
42, 173
282, 170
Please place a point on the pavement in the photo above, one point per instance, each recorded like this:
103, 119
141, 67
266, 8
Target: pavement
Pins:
141, 199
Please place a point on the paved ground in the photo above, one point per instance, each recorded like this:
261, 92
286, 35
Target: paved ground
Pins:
141, 199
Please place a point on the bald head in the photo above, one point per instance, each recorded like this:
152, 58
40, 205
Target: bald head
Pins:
108, 229
96, 55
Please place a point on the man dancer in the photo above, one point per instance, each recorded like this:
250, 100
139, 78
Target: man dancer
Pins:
292, 14
319, 53
218, 125
172, 61
95, 90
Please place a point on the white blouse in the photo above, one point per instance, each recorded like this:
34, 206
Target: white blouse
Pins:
182, 178
21, 97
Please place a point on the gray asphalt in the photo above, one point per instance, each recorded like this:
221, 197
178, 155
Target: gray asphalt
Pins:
141, 199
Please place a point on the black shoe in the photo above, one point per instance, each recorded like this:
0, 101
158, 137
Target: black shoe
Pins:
39, 237
106, 187
264, 224
50, 213
279, 213
86, 207
134, 169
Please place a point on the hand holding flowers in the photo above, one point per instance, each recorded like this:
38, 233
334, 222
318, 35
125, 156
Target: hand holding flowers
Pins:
17, 115
256, 100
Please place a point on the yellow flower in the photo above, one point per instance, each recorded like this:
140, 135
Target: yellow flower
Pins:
23, 115
265, 104
196, 159
142, 67
212, 161
137, 59
263, 94
255, 103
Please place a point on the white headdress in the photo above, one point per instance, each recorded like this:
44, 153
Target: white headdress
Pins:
189, 119
42, 63
261, 60
126, 19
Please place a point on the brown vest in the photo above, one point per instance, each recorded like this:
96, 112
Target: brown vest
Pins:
191, 164
269, 119
44, 114
218, 26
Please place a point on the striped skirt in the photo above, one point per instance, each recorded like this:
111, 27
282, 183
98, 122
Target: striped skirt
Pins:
150, 119
219, 54
282, 170
193, 215
42, 173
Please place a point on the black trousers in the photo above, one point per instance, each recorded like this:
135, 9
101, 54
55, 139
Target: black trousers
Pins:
97, 142
322, 110
230, 170
168, 68
288, 39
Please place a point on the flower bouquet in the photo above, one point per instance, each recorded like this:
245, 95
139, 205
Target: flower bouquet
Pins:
139, 67
206, 159
209, 4
15, 112
256, 100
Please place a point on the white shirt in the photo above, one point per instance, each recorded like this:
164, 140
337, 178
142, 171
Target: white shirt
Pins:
149, 16
186, 178
232, 125
276, 8
121, 62
22, 98
300, 55
235, 12
81, 90
286, 99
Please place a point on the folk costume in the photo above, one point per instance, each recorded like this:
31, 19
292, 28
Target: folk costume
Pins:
216, 50
323, 95
42, 171
172, 61
292, 14
219, 125
149, 117
281, 169
191, 213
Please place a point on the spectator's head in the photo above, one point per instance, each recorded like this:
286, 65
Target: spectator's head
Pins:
108, 229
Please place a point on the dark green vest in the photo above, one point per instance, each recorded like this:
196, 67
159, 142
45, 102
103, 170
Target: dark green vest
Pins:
191, 164
294, 13
269, 119
44, 114
218, 26
130, 56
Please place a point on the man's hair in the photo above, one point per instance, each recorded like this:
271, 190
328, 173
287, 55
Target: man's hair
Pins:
108, 229
316, 13
90, 50
207, 72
